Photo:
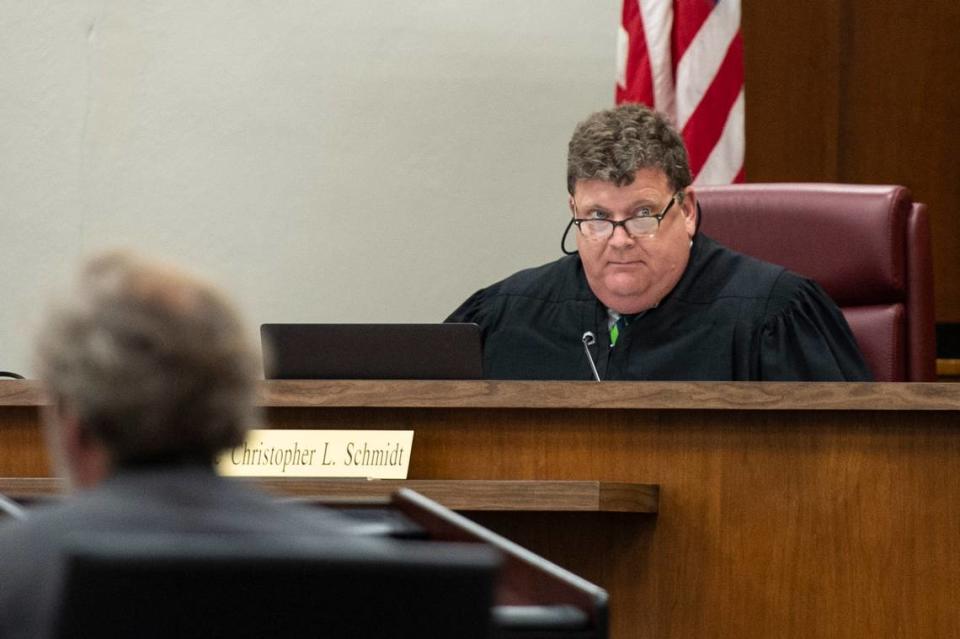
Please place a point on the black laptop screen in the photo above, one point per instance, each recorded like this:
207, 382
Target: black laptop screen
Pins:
371, 351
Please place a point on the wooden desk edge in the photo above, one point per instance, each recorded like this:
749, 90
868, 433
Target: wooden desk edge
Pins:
577, 395
612, 395
487, 495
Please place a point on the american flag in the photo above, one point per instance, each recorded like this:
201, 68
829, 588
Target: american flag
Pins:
685, 58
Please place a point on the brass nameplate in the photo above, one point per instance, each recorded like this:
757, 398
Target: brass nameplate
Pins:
375, 454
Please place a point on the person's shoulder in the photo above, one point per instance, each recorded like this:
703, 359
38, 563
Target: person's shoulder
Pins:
232, 506
41, 522
28, 548
305, 518
559, 281
790, 286
744, 276
719, 271
15, 534
30, 559
553, 281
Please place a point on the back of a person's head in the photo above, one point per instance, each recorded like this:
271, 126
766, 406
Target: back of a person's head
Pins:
152, 362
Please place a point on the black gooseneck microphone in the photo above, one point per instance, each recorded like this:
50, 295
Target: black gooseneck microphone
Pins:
589, 339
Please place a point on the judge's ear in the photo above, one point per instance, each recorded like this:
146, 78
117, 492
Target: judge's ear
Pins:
572, 206
689, 209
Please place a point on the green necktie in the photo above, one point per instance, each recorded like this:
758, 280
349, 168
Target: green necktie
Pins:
615, 330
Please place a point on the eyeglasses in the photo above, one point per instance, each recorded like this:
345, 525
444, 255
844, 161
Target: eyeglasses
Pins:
644, 224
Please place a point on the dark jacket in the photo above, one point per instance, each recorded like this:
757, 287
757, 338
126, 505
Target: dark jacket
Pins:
730, 317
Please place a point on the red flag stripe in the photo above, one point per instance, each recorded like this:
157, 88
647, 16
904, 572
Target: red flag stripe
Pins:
706, 124
688, 17
697, 44
638, 73
741, 176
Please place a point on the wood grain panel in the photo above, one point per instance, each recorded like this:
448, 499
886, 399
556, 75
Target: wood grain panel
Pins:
784, 524
791, 74
900, 116
22, 451
864, 92
625, 395
773, 521
548, 496
21, 392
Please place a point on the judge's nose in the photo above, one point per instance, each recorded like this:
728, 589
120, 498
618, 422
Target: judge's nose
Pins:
620, 238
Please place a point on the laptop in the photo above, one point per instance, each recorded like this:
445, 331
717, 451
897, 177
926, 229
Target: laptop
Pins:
371, 351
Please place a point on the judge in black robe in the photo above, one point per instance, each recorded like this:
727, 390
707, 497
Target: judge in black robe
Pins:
730, 317
683, 307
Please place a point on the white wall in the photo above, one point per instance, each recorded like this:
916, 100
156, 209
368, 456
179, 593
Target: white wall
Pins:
324, 160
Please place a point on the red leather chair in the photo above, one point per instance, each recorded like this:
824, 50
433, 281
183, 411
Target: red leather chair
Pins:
867, 246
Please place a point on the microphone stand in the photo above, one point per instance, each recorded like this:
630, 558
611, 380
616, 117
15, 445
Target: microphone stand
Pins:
589, 339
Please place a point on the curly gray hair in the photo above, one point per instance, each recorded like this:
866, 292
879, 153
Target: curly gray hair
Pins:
612, 145
152, 362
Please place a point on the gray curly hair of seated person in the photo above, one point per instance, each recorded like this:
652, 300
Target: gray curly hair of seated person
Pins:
612, 145
152, 362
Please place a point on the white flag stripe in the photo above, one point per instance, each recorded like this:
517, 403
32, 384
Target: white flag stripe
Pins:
657, 18
699, 64
623, 49
726, 158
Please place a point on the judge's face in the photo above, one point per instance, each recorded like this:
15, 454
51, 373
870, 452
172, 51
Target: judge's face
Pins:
631, 273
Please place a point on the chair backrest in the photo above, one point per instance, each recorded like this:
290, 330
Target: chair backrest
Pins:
191, 586
867, 246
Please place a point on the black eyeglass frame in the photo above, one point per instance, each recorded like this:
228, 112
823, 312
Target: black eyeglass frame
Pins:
676, 197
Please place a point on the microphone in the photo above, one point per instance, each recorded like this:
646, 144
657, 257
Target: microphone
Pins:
589, 339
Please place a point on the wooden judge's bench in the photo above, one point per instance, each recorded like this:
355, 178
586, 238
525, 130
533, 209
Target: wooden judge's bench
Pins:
705, 509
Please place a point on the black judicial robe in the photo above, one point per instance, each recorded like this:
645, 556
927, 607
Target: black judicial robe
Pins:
730, 317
